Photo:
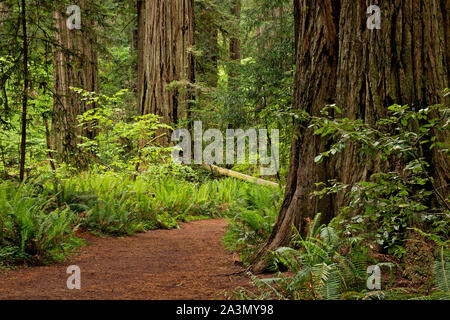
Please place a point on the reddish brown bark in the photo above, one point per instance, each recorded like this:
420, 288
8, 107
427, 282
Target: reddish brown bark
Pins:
339, 60
74, 65
168, 35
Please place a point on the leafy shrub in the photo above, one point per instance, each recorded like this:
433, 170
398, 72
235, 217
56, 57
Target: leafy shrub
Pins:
113, 217
391, 202
120, 144
330, 263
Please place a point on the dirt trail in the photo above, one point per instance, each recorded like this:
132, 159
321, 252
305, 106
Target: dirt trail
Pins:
185, 264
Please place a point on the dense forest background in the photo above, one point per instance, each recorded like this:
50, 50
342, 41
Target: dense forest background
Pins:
87, 112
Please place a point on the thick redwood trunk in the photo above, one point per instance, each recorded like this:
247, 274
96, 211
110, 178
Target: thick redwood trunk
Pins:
168, 35
339, 60
315, 85
403, 63
74, 65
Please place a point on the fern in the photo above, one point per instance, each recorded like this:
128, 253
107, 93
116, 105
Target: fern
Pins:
330, 284
442, 270
321, 271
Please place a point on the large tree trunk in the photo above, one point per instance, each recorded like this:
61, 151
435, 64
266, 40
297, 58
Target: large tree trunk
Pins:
339, 60
168, 34
74, 65
235, 46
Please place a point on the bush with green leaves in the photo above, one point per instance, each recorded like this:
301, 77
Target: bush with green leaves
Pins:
391, 201
120, 143
329, 265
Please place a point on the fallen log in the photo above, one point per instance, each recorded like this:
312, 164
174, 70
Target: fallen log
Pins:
238, 175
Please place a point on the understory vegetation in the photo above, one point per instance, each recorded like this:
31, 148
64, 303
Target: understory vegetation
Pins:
41, 219
391, 220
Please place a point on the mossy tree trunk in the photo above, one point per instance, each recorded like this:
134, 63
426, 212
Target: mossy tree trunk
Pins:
339, 60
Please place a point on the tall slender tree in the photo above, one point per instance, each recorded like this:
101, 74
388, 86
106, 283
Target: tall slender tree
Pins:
3, 77
25, 92
340, 60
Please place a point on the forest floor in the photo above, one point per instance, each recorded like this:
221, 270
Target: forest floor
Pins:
187, 263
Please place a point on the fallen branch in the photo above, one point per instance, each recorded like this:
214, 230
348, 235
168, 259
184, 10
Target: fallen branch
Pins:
241, 176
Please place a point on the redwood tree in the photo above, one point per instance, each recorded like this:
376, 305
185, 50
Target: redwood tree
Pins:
166, 30
74, 65
339, 60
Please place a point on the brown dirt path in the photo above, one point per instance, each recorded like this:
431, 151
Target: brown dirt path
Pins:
189, 263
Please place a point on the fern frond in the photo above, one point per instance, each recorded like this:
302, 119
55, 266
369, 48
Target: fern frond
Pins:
442, 271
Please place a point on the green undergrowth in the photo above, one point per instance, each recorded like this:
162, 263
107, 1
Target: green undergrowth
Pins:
32, 228
253, 223
327, 265
39, 219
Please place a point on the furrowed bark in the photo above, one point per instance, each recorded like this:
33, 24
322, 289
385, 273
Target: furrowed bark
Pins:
167, 35
339, 60
74, 65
